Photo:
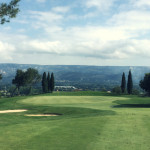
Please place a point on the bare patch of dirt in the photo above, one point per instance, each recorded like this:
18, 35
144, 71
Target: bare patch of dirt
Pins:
12, 111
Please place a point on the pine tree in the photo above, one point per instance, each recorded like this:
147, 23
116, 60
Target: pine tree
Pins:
52, 83
130, 83
8, 11
123, 83
44, 83
48, 82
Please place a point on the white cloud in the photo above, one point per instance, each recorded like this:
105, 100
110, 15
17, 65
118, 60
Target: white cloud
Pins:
80, 45
41, 1
110, 42
141, 3
5, 50
45, 17
45, 20
60, 9
133, 20
6, 47
90, 41
46, 46
100, 4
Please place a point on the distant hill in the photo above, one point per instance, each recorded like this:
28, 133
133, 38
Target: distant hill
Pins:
79, 75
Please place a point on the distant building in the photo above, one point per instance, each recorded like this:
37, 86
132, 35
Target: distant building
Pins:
65, 88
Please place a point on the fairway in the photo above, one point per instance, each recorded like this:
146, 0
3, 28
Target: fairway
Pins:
86, 123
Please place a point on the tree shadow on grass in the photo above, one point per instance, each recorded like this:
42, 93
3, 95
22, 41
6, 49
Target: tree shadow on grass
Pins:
132, 106
135, 103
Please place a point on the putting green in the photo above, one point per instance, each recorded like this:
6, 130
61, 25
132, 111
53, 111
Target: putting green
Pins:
96, 102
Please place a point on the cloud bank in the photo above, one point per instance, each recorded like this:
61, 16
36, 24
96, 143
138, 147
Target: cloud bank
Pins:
96, 32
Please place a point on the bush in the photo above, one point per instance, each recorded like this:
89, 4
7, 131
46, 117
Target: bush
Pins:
145, 83
135, 92
116, 90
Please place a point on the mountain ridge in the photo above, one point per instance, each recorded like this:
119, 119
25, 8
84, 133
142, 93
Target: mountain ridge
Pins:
78, 74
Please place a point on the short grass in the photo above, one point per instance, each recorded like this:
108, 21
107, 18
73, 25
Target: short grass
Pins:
90, 121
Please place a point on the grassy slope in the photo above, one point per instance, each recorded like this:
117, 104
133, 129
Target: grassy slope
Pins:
88, 122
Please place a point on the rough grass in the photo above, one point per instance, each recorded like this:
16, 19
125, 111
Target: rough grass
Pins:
93, 121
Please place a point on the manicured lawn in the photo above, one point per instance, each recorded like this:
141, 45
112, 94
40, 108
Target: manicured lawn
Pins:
89, 121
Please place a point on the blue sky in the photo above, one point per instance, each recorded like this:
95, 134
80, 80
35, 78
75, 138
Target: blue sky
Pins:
78, 32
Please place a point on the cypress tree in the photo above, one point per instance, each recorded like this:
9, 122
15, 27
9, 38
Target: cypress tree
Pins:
48, 82
130, 83
123, 83
52, 83
44, 83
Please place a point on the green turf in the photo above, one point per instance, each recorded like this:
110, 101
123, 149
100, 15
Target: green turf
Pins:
88, 122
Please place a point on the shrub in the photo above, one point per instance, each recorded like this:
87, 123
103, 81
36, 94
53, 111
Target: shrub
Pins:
116, 90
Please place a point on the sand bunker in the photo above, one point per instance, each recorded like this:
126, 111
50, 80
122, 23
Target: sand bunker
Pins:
22, 110
42, 115
12, 111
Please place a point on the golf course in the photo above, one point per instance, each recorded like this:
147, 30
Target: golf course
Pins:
75, 121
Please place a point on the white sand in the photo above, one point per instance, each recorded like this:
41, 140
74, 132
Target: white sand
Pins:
12, 111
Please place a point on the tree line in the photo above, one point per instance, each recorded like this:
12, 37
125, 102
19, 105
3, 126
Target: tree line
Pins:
144, 84
31, 77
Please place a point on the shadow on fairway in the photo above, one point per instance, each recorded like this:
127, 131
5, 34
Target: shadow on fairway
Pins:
132, 103
132, 106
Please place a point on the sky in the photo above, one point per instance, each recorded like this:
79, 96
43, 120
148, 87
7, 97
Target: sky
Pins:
78, 32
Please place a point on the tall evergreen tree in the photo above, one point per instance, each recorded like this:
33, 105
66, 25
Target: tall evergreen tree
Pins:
123, 83
44, 83
48, 82
52, 83
130, 83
